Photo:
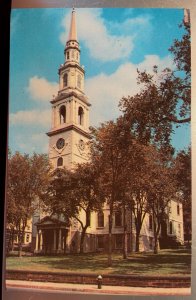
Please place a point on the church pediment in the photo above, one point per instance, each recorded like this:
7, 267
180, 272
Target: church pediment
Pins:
50, 221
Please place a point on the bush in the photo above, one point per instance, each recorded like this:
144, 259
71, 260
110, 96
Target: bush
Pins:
169, 242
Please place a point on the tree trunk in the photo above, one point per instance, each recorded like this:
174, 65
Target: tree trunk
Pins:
137, 242
82, 239
155, 244
84, 228
124, 235
110, 242
125, 243
156, 235
19, 244
131, 233
12, 241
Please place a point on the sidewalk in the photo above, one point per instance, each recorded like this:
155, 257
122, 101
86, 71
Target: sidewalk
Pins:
92, 289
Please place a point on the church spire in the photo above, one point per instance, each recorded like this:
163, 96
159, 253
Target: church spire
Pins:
72, 49
73, 31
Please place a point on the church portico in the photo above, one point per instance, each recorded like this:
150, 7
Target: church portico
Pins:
51, 236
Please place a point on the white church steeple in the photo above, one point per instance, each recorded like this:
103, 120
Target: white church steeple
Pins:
69, 132
72, 50
73, 30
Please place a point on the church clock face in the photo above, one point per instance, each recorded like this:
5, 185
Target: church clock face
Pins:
60, 143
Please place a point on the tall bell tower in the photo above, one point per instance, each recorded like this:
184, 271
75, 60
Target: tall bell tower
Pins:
69, 133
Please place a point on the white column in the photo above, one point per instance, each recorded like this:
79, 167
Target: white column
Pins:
70, 111
86, 118
41, 240
36, 242
57, 121
54, 112
53, 117
75, 117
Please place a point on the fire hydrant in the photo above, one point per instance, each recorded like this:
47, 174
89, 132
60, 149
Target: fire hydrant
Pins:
99, 282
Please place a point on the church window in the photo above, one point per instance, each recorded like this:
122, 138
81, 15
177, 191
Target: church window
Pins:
178, 209
179, 230
59, 162
100, 219
27, 238
150, 222
67, 55
79, 81
80, 116
89, 219
62, 114
118, 218
65, 79
170, 227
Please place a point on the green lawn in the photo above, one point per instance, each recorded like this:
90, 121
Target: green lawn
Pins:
170, 262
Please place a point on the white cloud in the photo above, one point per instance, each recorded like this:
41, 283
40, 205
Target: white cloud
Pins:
105, 91
28, 130
93, 32
31, 118
41, 89
29, 142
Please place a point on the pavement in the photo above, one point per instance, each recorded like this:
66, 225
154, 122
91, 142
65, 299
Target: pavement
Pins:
93, 289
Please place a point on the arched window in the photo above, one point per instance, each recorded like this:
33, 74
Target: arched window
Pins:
59, 162
80, 116
62, 113
150, 222
100, 219
65, 79
67, 55
170, 227
79, 81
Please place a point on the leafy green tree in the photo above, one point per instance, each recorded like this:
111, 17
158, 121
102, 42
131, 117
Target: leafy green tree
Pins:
138, 176
74, 194
26, 182
57, 201
88, 196
165, 98
110, 153
183, 177
161, 190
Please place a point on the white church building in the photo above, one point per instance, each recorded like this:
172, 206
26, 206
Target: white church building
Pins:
68, 139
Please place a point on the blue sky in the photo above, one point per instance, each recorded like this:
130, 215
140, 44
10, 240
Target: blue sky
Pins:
114, 43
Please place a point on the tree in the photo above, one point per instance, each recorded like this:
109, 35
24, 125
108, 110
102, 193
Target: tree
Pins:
183, 177
88, 196
59, 194
74, 194
164, 99
138, 176
26, 182
110, 153
161, 190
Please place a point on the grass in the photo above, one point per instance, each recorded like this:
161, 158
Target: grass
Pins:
170, 262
